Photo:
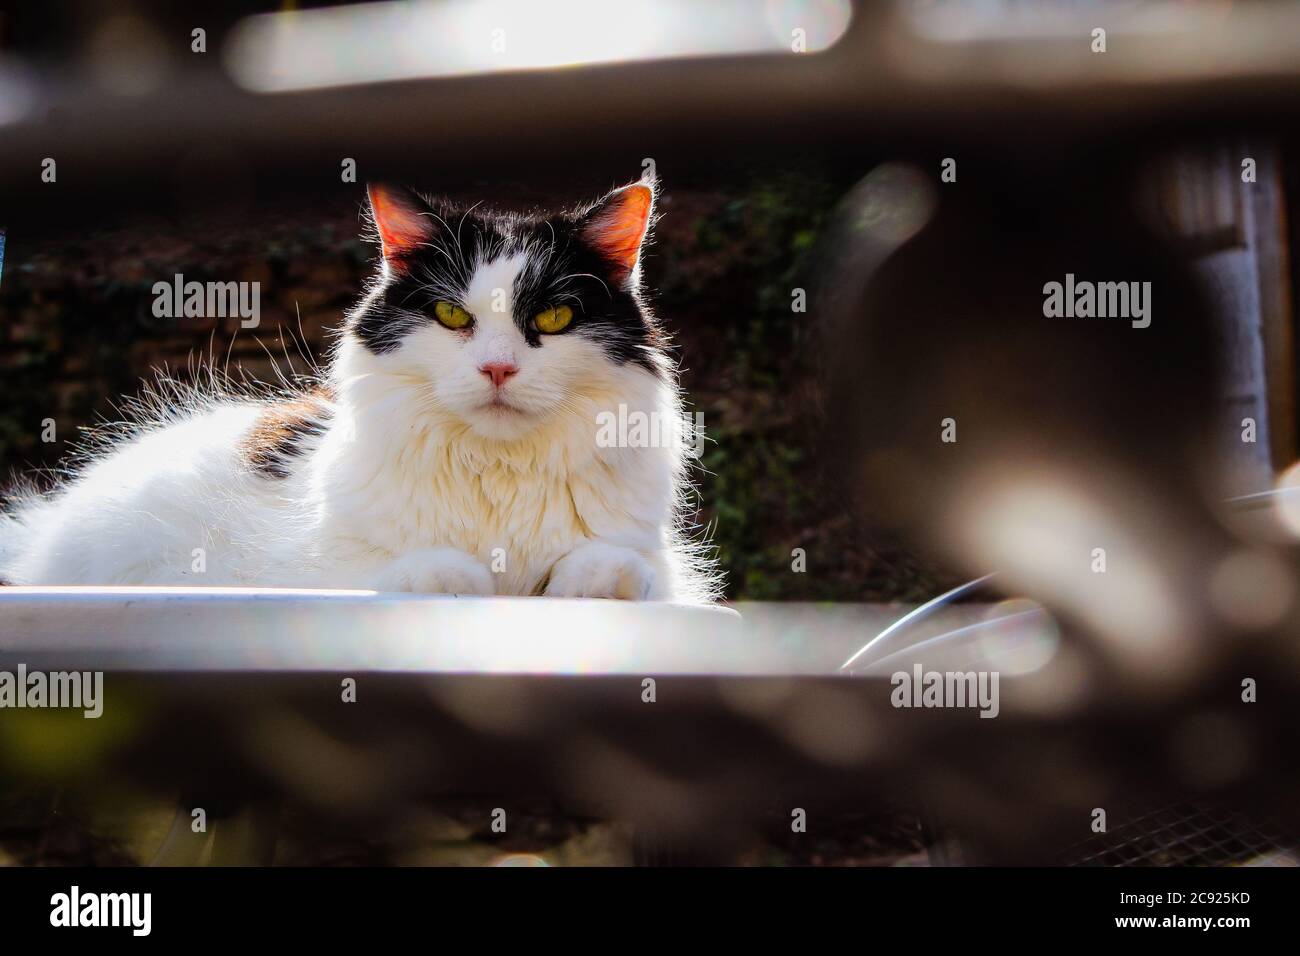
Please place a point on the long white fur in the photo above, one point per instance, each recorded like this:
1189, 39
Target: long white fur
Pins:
414, 485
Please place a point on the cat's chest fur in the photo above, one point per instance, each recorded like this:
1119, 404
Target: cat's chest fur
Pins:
418, 487
396, 474
517, 523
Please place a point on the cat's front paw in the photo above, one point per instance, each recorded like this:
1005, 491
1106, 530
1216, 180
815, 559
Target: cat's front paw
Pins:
436, 571
602, 571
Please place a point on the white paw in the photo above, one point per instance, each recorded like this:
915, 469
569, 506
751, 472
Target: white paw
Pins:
436, 571
602, 571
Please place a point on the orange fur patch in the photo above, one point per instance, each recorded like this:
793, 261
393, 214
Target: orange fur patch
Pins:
277, 435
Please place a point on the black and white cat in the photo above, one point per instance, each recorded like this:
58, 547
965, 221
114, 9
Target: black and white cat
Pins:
451, 446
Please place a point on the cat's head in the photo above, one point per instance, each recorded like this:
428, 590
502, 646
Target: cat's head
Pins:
504, 320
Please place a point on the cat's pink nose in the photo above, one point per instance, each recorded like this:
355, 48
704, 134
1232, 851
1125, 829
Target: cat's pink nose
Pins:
498, 371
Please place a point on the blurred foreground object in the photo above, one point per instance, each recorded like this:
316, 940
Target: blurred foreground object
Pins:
1015, 77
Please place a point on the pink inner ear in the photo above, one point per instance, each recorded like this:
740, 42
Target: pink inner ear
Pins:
401, 226
619, 225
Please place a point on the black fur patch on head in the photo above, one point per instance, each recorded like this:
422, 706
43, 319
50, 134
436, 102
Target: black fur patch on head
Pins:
561, 268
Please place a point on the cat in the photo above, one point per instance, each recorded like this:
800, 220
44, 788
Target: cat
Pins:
449, 446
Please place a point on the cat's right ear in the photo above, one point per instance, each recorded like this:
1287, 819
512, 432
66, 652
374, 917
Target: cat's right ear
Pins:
403, 220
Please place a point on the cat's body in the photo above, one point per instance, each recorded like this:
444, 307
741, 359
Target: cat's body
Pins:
451, 446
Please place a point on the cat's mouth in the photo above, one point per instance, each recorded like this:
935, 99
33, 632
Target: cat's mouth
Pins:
500, 406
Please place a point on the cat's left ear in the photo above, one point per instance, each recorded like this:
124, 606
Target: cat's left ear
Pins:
616, 227
403, 220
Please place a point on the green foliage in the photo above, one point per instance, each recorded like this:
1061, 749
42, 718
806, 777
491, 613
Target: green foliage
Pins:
744, 262
752, 489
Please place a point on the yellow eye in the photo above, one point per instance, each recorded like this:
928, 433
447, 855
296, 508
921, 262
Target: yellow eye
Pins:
553, 320
452, 316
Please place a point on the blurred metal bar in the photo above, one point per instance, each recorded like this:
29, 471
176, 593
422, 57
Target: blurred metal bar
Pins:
253, 629
887, 81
